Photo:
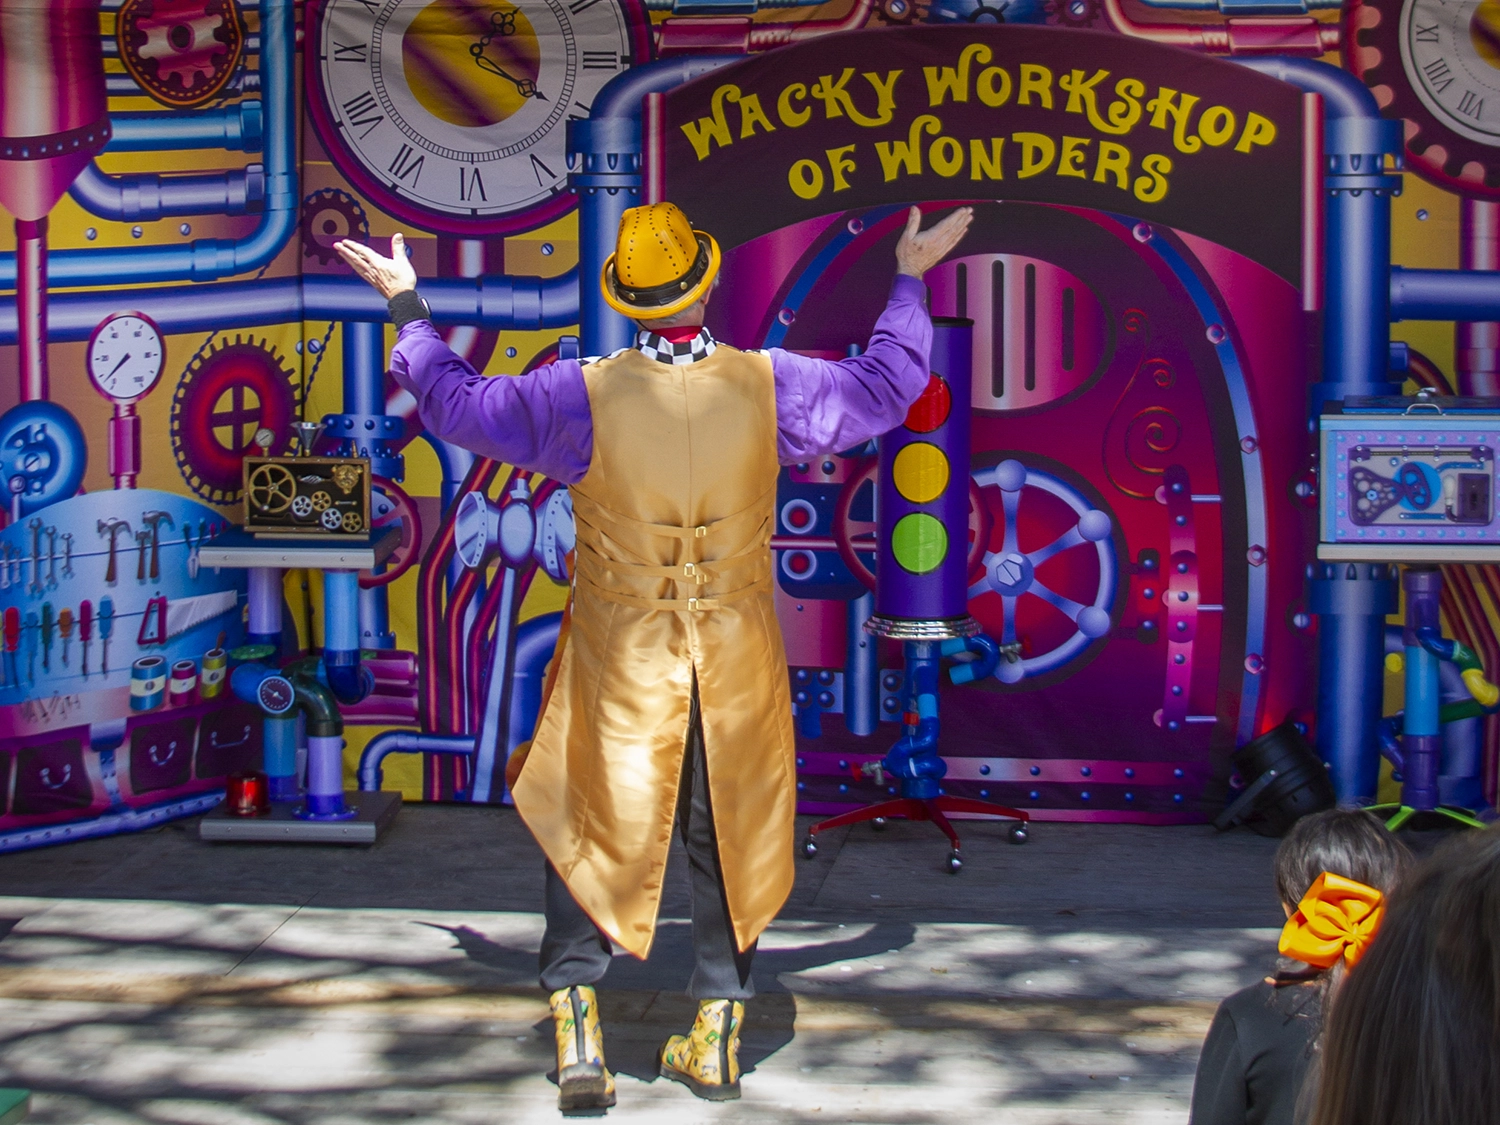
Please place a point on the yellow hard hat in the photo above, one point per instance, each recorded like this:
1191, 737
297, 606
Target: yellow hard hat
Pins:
660, 266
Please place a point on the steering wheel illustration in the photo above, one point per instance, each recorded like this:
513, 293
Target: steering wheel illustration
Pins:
389, 504
1011, 572
857, 538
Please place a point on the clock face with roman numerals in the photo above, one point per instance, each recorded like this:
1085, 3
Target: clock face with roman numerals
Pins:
451, 114
1451, 53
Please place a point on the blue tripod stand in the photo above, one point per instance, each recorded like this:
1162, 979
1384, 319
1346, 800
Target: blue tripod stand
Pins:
914, 760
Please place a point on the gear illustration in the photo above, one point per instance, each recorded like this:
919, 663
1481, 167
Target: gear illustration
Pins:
321, 501
331, 519
329, 215
181, 52
899, 13
1073, 13
302, 507
226, 394
1436, 152
352, 522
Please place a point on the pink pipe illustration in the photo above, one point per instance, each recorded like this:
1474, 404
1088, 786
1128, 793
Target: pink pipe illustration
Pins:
53, 119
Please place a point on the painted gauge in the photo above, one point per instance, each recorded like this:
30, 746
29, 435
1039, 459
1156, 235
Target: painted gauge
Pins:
1436, 65
452, 115
125, 357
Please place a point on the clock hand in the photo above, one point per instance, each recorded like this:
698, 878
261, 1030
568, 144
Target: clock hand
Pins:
524, 86
503, 23
123, 360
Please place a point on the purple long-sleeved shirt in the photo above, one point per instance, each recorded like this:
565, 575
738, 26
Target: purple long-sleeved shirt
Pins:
541, 422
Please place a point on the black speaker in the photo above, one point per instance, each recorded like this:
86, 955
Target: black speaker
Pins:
1284, 781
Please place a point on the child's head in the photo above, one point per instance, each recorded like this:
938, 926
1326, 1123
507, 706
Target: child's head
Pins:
1347, 842
1415, 1034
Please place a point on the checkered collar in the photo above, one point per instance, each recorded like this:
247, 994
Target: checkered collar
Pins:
655, 347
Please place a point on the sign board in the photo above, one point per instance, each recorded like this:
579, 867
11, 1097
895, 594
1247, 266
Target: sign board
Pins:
995, 112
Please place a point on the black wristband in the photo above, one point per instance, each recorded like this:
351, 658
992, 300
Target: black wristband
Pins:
406, 307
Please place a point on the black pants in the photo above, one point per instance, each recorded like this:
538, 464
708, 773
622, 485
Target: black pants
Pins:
575, 951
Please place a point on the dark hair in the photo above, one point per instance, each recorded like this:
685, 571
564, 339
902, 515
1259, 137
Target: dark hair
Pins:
1347, 842
1415, 1035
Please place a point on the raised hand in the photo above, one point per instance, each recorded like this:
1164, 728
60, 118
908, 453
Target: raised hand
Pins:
918, 250
390, 275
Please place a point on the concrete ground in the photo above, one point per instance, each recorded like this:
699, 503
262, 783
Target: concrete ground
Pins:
155, 979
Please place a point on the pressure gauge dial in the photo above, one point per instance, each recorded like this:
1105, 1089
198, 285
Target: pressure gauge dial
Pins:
126, 356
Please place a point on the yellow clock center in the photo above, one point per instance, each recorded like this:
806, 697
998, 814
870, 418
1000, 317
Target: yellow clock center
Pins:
472, 64
1484, 31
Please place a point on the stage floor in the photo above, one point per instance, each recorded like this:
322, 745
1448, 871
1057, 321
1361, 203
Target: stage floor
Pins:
156, 979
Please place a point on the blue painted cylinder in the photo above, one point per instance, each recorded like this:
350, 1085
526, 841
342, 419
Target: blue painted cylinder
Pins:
325, 780
279, 756
265, 606
148, 683
347, 678
921, 580
341, 610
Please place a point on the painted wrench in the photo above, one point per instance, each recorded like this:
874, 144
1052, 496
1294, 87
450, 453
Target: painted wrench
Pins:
36, 555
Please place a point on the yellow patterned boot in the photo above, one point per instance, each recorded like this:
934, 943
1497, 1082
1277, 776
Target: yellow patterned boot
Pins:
583, 1082
707, 1059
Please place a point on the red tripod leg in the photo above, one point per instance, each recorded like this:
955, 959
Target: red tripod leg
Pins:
984, 808
901, 806
935, 814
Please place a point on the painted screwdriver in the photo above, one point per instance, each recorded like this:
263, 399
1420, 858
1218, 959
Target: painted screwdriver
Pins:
33, 627
47, 636
106, 629
85, 631
65, 627
10, 632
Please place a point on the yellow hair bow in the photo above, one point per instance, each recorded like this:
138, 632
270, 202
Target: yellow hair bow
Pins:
1336, 918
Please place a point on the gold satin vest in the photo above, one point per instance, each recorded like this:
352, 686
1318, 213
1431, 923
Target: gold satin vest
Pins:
672, 579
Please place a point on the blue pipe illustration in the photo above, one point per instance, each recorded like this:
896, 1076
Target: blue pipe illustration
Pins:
211, 258
1461, 777
237, 128
143, 196
124, 86
1352, 601
523, 304
861, 669
371, 776
1444, 294
604, 153
279, 756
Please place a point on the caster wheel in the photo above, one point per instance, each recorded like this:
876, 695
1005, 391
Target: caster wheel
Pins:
809, 847
1018, 833
878, 824
955, 863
